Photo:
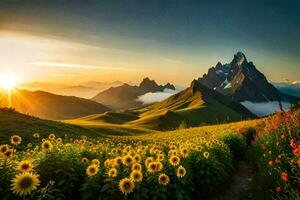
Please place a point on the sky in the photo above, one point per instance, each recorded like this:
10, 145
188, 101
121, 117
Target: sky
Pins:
73, 41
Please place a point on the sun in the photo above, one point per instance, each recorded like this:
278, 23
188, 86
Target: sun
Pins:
8, 81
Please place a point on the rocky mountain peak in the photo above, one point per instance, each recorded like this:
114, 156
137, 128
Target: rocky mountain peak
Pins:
149, 85
241, 81
238, 59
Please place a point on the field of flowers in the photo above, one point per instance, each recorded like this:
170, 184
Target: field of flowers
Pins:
277, 154
190, 163
172, 165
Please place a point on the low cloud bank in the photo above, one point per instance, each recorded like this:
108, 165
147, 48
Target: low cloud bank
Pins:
265, 108
152, 97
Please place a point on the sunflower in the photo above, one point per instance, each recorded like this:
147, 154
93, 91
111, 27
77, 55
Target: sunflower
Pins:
4, 148
126, 186
127, 160
152, 167
137, 158
136, 166
47, 145
136, 176
25, 166
96, 162
163, 179
36, 135
15, 140
206, 154
85, 160
114, 151
148, 160
180, 172
113, 172
58, 140
174, 160
159, 166
92, 170
118, 160
25, 183
52, 136
9, 153
184, 152
160, 157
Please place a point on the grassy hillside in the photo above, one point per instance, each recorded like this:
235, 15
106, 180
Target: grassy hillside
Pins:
12, 122
51, 106
197, 105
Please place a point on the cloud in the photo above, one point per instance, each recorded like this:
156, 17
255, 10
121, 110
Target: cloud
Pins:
152, 97
296, 82
265, 108
74, 65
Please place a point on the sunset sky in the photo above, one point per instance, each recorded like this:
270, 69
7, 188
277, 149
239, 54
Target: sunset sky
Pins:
168, 40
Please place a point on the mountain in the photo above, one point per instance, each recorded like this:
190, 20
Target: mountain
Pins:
83, 90
196, 105
78, 91
125, 96
50, 106
241, 81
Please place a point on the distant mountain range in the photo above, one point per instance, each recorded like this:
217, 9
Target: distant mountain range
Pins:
241, 81
196, 105
125, 96
50, 106
84, 90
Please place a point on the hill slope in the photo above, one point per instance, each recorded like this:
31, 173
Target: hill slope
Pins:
51, 106
12, 122
125, 96
196, 105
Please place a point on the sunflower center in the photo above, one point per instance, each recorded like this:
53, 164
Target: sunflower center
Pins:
127, 185
25, 166
92, 170
26, 182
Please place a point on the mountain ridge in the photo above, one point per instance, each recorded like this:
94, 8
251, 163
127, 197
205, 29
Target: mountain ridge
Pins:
242, 81
50, 106
125, 96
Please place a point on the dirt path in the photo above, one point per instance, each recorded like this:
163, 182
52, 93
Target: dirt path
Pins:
241, 183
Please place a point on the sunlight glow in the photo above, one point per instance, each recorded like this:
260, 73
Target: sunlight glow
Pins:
8, 81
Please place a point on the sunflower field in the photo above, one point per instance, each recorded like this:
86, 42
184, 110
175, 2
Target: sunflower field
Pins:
153, 166
193, 163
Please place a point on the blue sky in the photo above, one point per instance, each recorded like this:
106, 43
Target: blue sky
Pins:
168, 40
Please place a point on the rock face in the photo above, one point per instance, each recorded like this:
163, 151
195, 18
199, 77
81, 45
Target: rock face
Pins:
151, 86
125, 96
241, 81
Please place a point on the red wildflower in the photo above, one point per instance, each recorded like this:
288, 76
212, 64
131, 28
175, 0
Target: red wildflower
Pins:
292, 143
283, 136
296, 151
284, 176
278, 189
270, 163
